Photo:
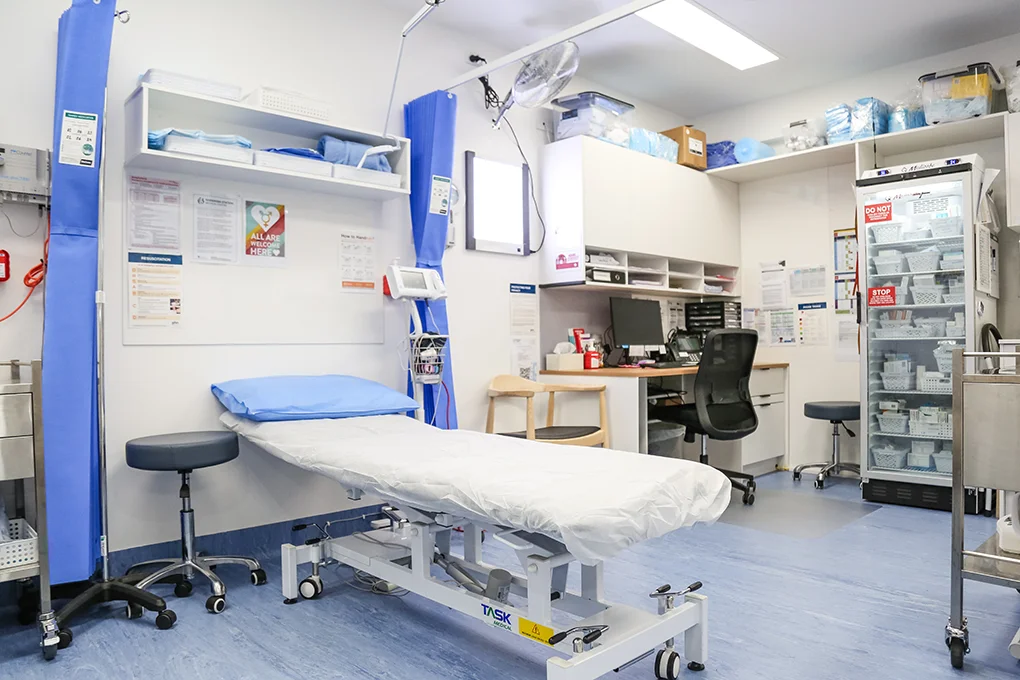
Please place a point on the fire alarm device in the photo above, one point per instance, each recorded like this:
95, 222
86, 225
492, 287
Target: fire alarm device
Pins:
5, 265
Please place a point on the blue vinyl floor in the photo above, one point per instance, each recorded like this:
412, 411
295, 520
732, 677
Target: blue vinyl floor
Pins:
867, 600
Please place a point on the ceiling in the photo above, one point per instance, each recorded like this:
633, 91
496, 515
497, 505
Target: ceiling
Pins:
818, 41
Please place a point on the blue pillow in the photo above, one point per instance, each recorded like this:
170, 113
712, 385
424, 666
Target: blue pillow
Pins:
310, 397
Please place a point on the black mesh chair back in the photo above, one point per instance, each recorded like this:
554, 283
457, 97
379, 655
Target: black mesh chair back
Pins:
721, 390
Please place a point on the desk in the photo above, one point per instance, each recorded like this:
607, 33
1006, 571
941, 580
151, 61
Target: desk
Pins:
627, 405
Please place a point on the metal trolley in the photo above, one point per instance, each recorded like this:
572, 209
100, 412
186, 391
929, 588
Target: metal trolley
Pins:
986, 432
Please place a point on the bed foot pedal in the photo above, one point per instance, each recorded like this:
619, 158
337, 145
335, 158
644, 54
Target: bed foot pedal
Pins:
695, 666
290, 600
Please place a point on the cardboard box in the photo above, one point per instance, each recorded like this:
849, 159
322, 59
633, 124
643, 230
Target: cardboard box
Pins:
692, 143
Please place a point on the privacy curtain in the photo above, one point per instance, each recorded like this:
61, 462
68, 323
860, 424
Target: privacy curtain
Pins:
69, 333
430, 122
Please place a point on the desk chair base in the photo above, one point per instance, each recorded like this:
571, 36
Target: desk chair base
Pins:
738, 480
832, 467
181, 571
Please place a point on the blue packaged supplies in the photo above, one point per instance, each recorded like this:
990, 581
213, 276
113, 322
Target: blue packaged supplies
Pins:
654, 144
157, 138
906, 117
720, 154
869, 117
295, 151
837, 123
749, 149
350, 153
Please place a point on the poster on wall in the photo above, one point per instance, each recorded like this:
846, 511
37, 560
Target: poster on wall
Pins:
808, 281
813, 324
775, 291
357, 261
756, 319
524, 330
782, 325
153, 214
154, 289
265, 230
217, 228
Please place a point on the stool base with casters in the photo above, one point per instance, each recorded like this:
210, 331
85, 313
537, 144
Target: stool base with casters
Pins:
181, 571
835, 412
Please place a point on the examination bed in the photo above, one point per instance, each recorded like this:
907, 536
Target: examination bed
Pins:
553, 504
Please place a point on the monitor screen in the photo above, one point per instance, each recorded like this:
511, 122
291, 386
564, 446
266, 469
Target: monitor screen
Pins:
688, 343
413, 280
636, 322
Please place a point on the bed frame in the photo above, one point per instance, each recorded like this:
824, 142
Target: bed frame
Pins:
607, 637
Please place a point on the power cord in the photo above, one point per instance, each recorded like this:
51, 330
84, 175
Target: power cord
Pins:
492, 100
35, 275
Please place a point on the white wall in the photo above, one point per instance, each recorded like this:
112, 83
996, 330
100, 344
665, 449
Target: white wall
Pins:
769, 119
162, 389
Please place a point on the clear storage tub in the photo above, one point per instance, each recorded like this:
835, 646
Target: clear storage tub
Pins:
595, 115
959, 93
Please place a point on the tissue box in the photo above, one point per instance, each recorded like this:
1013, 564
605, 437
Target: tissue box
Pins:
693, 145
564, 362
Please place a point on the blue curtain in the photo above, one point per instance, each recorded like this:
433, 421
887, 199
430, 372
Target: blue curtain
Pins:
430, 122
69, 332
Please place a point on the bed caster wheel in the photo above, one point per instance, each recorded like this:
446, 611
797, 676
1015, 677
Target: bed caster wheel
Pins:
166, 619
49, 652
258, 577
311, 587
667, 665
695, 666
819, 483
64, 638
957, 649
748, 498
183, 589
796, 476
134, 611
216, 604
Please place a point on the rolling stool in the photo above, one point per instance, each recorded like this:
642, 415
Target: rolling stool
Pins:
835, 412
182, 453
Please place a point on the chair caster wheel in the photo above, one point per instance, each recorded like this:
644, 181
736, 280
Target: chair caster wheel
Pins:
819, 483
166, 619
752, 486
748, 498
135, 611
667, 665
216, 604
64, 638
695, 666
311, 587
258, 577
957, 649
49, 652
183, 589
796, 478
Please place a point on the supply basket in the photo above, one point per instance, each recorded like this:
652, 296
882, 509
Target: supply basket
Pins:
924, 261
932, 430
293, 103
890, 457
944, 462
946, 227
916, 235
905, 332
893, 423
935, 383
944, 357
894, 323
954, 298
898, 382
937, 326
927, 296
888, 232
918, 460
22, 549
888, 265
427, 358
922, 447
955, 330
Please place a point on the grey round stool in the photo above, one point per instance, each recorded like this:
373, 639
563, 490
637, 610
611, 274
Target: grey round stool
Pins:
836, 412
182, 453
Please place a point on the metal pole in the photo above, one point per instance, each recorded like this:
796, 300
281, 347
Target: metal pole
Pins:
41, 526
101, 359
956, 574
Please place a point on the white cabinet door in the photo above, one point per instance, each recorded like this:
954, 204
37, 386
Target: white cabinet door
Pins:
769, 440
1013, 169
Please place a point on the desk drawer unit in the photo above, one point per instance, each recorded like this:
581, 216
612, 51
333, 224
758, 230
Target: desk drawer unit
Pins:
768, 382
16, 460
769, 440
15, 415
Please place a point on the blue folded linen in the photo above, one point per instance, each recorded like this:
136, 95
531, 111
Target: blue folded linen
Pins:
350, 153
157, 138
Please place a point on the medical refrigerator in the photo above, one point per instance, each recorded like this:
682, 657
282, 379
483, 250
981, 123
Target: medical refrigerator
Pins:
929, 282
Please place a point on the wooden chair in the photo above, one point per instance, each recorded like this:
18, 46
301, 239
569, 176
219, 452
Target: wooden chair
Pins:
576, 435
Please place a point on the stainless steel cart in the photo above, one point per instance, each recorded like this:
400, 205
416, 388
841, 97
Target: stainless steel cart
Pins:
21, 459
986, 454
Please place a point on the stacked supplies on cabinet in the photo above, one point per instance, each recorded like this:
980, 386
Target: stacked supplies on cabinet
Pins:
721, 154
198, 143
869, 117
654, 144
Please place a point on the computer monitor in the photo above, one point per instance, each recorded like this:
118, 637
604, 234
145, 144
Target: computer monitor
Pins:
636, 322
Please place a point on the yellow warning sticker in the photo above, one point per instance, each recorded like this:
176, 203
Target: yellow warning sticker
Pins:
534, 631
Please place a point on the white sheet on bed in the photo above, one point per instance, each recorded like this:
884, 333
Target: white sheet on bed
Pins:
598, 501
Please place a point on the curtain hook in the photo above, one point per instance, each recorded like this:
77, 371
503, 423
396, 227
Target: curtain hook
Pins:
123, 16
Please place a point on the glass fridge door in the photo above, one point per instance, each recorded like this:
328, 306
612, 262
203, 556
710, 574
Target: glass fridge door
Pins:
918, 293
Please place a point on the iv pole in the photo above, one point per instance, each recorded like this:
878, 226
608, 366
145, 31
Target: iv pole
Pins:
408, 27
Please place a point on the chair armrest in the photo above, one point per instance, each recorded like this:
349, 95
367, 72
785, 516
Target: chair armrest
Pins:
575, 388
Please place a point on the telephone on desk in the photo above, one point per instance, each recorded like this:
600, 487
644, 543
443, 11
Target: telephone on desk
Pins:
684, 350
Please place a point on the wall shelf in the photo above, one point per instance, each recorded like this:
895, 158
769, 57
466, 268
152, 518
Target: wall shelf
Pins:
788, 163
154, 107
658, 291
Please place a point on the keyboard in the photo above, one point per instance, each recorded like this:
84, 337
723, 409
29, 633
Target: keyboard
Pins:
671, 364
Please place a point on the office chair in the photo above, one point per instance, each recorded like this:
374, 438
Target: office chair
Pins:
722, 407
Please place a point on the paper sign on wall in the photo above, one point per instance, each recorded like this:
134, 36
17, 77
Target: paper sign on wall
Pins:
774, 290
524, 330
439, 202
154, 289
813, 324
357, 261
884, 296
154, 214
217, 228
264, 229
78, 139
756, 319
782, 324
808, 281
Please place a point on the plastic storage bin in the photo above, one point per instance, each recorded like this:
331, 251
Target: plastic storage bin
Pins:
959, 93
943, 461
919, 459
805, 134
934, 383
177, 81
937, 325
916, 234
927, 296
595, 115
923, 447
944, 356
887, 232
889, 457
924, 261
207, 149
292, 103
893, 423
946, 227
898, 382
889, 265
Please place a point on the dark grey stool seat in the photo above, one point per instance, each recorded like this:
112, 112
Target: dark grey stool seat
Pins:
556, 432
836, 412
833, 410
182, 451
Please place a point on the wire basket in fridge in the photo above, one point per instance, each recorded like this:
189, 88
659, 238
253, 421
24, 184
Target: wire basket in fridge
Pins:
918, 460
888, 265
935, 383
955, 330
916, 234
943, 462
889, 457
922, 447
22, 549
946, 227
904, 332
893, 423
888, 232
894, 323
924, 261
954, 298
937, 326
932, 430
924, 295
898, 382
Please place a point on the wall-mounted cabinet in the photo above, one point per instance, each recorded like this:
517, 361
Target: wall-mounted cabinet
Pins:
671, 228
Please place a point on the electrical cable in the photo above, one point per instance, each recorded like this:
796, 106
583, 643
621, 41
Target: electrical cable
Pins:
35, 231
35, 275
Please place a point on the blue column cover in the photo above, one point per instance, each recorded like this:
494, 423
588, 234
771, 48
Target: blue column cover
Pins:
430, 122
69, 332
